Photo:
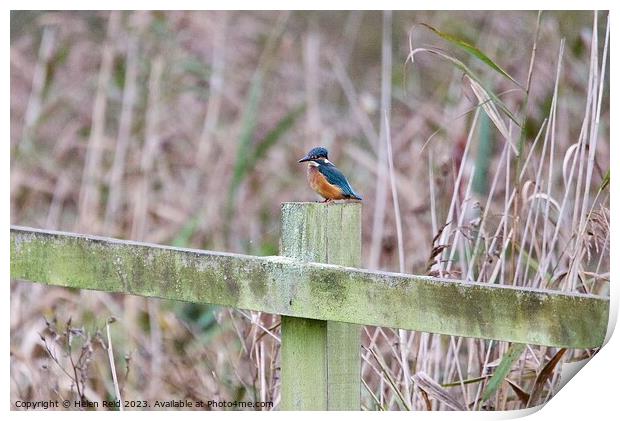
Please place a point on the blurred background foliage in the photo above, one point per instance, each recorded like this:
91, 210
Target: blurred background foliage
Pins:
185, 128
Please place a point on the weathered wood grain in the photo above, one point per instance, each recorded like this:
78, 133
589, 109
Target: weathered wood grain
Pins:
286, 286
328, 233
303, 364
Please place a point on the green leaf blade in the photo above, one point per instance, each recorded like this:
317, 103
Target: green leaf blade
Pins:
473, 51
502, 370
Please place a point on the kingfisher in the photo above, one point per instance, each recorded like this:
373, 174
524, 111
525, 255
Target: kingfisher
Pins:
325, 179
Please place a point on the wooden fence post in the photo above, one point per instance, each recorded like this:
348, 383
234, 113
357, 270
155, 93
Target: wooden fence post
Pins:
320, 360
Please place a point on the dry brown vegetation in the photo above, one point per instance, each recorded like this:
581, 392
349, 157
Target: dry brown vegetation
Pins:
184, 128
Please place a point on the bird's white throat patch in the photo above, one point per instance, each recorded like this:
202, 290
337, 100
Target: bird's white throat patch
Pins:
313, 164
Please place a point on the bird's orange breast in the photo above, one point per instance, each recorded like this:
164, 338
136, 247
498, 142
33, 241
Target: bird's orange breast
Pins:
319, 184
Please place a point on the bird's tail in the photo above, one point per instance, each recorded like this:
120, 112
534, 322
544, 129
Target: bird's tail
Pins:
355, 196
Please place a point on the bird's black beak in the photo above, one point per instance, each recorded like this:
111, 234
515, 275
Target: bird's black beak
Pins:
305, 159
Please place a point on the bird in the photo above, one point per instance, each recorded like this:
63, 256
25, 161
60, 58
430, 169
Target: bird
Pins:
325, 179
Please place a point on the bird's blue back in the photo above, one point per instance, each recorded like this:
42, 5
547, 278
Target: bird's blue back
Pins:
334, 176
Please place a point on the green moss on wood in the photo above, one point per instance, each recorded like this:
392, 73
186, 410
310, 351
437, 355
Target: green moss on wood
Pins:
304, 365
287, 286
326, 233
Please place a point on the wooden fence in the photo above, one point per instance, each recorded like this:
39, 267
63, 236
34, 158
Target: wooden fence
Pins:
322, 298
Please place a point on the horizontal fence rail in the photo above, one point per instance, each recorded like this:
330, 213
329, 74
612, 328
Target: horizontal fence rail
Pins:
286, 286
